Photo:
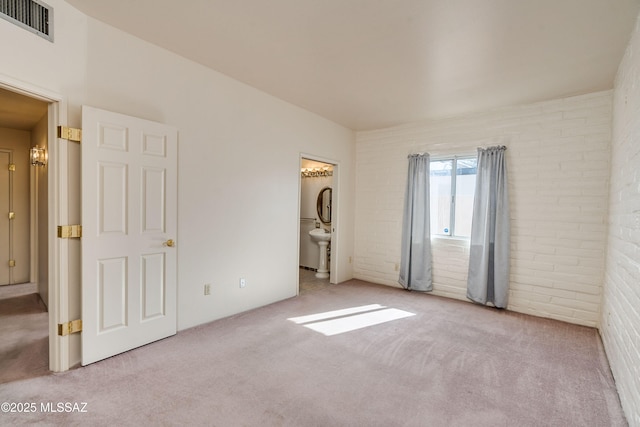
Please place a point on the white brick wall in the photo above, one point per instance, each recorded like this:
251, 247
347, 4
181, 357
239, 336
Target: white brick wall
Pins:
558, 164
620, 323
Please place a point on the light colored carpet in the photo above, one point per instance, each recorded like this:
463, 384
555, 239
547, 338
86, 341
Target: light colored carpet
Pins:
451, 364
24, 342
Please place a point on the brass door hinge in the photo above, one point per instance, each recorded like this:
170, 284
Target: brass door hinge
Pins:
69, 231
12, 167
12, 263
70, 327
12, 215
70, 134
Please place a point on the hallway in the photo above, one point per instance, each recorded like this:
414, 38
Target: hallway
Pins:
24, 339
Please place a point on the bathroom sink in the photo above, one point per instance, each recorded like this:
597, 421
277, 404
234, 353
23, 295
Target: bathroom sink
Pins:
322, 238
320, 235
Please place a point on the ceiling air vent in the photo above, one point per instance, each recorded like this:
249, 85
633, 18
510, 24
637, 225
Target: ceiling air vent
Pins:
32, 15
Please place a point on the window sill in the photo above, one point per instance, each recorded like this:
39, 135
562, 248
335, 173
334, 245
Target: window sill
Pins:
450, 238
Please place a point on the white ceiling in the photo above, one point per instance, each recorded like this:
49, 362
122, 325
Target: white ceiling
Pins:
370, 64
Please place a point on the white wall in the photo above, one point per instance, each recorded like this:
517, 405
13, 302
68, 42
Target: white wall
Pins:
620, 322
239, 166
558, 166
239, 158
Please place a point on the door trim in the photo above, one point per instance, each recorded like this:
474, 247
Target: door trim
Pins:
58, 211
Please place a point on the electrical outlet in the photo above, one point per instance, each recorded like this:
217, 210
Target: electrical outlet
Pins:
207, 289
243, 282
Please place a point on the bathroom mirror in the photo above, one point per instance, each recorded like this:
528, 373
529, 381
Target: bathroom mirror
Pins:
323, 205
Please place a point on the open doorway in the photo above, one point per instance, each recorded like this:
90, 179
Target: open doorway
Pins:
317, 224
24, 329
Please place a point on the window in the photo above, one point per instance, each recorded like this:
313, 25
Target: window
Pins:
452, 185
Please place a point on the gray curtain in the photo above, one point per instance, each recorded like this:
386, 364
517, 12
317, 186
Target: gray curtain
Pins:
415, 261
488, 279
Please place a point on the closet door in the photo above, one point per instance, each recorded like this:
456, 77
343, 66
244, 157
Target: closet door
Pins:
5, 222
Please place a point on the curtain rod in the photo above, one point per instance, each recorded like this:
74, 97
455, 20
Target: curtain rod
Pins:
495, 147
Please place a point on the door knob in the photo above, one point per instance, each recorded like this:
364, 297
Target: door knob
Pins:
169, 243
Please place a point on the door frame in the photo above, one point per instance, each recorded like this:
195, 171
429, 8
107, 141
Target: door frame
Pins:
58, 212
335, 215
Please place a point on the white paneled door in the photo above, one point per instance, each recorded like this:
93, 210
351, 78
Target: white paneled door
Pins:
129, 204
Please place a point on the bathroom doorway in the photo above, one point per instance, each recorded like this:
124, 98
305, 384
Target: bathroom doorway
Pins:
317, 214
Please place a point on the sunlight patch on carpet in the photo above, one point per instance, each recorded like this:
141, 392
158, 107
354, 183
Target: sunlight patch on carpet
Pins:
350, 319
335, 313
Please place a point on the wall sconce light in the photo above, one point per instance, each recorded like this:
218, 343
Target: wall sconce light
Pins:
38, 156
316, 172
